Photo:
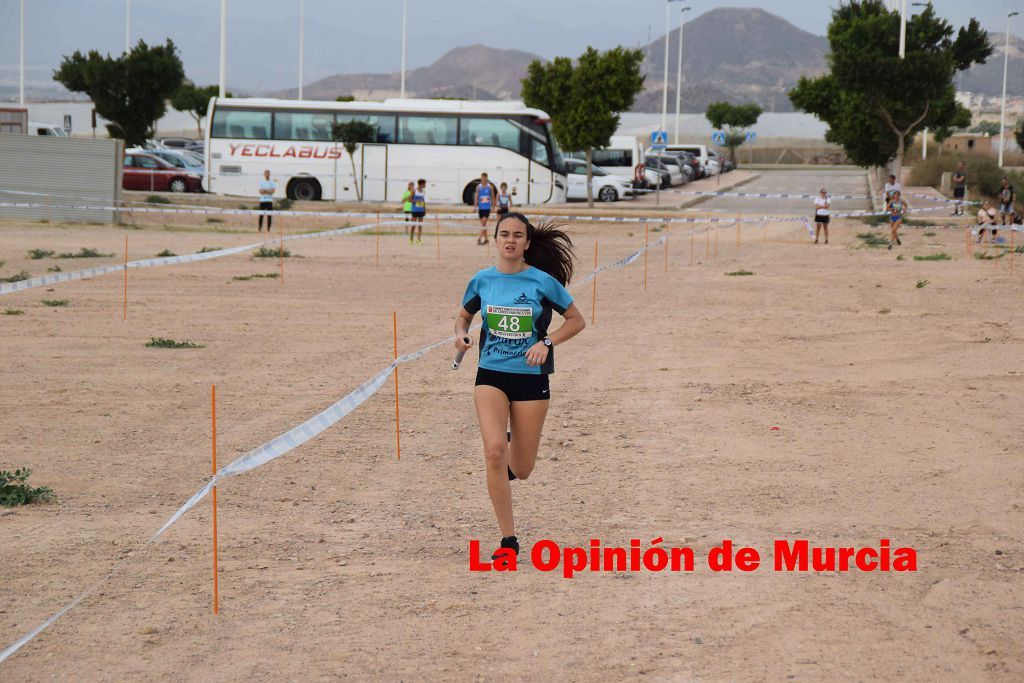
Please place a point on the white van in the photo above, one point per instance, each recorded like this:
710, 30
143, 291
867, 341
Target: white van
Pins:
699, 151
623, 157
36, 128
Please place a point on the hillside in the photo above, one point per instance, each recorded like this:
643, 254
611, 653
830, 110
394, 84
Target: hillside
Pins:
987, 79
476, 71
739, 54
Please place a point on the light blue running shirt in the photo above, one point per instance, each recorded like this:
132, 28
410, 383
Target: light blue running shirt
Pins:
516, 312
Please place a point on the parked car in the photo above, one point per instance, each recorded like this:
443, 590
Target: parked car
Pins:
723, 161
675, 173
143, 171
698, 169
674, 165
177, 158
607, 187
177, 143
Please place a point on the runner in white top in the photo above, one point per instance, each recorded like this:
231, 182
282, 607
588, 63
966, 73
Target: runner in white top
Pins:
890, 188
822, 214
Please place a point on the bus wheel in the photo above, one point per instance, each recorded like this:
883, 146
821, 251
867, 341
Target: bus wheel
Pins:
306, 190
469, 194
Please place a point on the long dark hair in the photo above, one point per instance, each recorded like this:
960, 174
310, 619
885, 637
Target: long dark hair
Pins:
550, 247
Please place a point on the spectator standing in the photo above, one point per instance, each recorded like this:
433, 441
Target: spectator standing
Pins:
1007, 197
267, 190
891, 187
419, 211
959, 188
822, 214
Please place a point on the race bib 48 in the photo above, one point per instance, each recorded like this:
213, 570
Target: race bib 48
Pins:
510, 322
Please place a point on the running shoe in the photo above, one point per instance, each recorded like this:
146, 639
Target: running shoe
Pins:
508, 542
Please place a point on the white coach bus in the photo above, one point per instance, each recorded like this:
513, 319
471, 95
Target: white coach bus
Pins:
447, 142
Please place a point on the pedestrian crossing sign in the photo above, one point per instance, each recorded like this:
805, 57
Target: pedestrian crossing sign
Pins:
659, 139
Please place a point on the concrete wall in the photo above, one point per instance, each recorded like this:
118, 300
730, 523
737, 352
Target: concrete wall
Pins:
77, 171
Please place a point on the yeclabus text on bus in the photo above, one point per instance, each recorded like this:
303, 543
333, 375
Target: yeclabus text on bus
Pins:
447, 142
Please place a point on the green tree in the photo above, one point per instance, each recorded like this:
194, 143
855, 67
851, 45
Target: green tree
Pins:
195, 100
585, 99
1019, 133
345, 98
959, 122
873, 101
130, 91
351, 134
735, 119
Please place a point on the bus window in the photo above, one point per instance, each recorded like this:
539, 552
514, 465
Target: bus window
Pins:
489, 133
301, 125
384, 124
540, 153
427, 130
244, 125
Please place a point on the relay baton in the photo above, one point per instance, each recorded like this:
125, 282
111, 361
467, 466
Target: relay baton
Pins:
459, 355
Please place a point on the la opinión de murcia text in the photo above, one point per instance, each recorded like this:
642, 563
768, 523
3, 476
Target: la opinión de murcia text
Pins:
788, 556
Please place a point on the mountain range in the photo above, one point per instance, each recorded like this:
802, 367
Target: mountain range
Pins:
735, 54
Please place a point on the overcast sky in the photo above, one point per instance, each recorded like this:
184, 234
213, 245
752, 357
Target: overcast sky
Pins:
364, 35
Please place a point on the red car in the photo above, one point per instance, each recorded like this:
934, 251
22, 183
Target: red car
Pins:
147, 172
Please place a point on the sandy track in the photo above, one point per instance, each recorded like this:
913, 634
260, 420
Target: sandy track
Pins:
340, 562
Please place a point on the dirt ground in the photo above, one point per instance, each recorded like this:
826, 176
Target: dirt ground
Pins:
895, 405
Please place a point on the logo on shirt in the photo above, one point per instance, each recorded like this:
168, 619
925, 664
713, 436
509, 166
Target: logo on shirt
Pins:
523, 299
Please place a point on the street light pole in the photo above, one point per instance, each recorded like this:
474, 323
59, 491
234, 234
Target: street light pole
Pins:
1002, 110
302, 40
903, 29
223, 45
679, 71
127, 25
664, 89
405, 12
21, 54
924, 140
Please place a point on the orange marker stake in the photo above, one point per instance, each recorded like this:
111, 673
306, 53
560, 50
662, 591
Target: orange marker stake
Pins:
398, 438
378, 238
691, 247
124, 313
280, 249
716, 243
666, 252
737, 233
707, 243
593, 297
764, 233
646, 228
213, 416
1011, 251
437, 225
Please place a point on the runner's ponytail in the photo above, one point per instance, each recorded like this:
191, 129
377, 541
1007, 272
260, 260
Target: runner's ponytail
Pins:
550, 247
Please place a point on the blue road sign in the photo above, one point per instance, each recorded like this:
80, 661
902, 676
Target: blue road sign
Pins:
718, 137
659, 139
751, 136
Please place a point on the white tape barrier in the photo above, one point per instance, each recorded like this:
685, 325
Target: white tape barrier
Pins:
290, 440
768, 195
53, 278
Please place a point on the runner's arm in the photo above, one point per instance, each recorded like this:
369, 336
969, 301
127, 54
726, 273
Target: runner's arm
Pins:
463, 319
573, 325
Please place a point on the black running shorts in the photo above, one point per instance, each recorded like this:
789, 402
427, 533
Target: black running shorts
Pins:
818, 218
517, 387
958, 192
484, 213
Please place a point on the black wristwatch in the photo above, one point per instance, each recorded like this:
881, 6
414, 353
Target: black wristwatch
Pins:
547, 342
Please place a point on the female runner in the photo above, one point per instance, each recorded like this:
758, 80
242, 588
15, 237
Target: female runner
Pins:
896, 207
515, 299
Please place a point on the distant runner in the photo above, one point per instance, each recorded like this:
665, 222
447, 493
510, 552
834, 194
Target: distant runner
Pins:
822, 214
482, 200
896, 208
959, 188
